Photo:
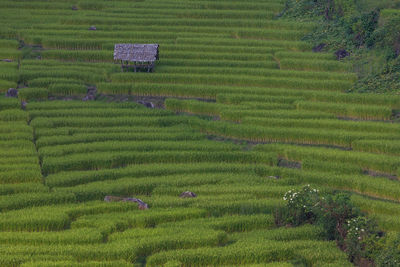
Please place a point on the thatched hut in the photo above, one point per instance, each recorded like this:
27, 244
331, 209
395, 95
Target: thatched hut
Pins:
136, 56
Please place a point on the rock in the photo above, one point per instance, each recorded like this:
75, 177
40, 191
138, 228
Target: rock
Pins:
274, 177
7, 60
289, 164
319, 47
12, 92
112, 199
89, 97
74, 8
187, 194
141, 204
91, 94
147, 104
92, 28
342, 53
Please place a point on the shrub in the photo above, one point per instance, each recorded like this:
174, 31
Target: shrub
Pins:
356, 234
390, 253
301, 205
361, 233
333, 213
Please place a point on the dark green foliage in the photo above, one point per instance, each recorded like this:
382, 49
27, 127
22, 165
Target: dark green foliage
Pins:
390, 255
365, 29
360, 239
329, 211
384, 75
333, 213
388, 34
343, 222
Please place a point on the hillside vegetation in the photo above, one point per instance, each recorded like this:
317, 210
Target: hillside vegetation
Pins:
368, 30
248, 117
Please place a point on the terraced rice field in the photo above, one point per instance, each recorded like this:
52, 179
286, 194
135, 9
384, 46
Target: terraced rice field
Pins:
263, 104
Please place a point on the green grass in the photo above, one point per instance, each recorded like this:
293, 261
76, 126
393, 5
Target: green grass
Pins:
231, 75
366, 112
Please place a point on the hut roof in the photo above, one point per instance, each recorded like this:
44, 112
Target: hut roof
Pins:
136, 52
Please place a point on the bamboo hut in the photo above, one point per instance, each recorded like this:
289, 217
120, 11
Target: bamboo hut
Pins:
136, 56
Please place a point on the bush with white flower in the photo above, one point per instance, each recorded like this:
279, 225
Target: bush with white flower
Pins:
361, 234
343, 222
301, 204
356, 228
302, 199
